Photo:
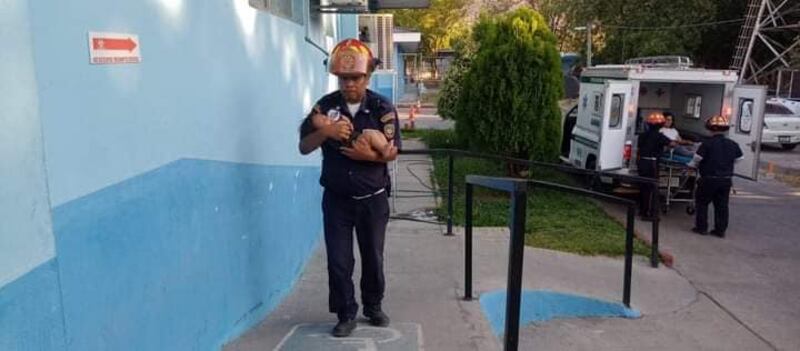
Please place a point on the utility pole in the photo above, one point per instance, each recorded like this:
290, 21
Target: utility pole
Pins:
588, 30
589, 44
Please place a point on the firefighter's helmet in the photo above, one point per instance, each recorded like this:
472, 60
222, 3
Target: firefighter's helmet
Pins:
351, 56
656, 118
718, 123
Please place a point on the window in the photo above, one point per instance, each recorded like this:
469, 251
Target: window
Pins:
617, 109
693, 105
377, 29
745, 120
598, 102
775, 109
289, 9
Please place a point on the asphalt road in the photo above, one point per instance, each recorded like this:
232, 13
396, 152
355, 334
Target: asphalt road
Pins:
752, 273
788, 159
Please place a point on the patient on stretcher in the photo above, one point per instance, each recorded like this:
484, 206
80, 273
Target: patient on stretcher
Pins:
684, 151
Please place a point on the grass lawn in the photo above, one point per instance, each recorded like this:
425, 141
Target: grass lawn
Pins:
555, 220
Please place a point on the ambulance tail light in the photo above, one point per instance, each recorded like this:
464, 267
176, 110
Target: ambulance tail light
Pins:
626, 152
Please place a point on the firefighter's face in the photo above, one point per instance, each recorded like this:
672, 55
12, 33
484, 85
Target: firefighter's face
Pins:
353, 86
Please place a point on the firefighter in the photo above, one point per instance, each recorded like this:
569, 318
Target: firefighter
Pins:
651, 145
714, 160
356, 182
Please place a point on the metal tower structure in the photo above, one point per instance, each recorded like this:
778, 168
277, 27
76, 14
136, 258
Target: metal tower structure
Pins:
769, 37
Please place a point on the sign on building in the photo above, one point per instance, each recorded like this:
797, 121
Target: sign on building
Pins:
113, 48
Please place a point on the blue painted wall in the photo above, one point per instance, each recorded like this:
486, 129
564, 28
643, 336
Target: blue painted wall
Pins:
401, 72
185, 256
382, 82
31, 317
182, 212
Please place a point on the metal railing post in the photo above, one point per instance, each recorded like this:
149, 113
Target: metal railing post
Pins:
449, 194
656, 208
468, 245
626, 285
515, 258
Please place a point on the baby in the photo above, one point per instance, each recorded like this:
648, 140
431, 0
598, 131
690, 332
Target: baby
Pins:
374, 138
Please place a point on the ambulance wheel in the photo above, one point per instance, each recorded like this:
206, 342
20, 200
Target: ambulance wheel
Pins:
788, 147
690, 210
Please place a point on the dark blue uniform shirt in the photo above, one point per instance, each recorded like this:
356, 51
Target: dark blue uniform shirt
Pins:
340, 174
719, 154
651, 143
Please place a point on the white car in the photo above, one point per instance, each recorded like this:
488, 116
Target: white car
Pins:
781, 123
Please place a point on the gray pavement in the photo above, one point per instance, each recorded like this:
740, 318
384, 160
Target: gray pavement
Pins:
737, 293
751, 275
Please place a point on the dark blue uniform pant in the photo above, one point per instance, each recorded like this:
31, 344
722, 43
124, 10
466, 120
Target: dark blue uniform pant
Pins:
647, 169
716, 190
369, 217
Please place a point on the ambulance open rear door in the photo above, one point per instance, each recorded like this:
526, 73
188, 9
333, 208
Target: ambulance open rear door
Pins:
614, 125
747, 120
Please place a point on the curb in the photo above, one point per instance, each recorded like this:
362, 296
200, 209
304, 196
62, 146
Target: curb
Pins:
666, 257
765, 166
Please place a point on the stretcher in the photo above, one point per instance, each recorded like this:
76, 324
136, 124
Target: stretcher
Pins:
677, 182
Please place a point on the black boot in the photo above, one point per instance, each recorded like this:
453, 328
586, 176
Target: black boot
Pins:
376, 316
344, 328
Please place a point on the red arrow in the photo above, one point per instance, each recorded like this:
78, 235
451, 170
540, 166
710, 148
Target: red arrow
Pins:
113, 44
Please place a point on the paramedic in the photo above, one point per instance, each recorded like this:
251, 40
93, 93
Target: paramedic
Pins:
651, 144
715, 159
355, 178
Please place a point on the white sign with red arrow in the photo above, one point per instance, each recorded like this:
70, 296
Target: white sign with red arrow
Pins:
113, 48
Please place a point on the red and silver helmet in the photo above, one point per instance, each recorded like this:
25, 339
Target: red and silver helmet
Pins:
718, 123
656, 118
351, 56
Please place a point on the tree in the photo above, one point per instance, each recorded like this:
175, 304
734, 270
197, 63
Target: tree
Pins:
509, 98
651, 27
439, 24
718, 42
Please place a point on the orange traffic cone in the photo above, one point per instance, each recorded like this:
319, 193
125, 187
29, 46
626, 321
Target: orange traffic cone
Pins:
412, 115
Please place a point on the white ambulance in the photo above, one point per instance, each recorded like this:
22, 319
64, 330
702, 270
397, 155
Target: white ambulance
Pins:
601, 131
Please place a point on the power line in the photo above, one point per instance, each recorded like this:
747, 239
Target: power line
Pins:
680, 26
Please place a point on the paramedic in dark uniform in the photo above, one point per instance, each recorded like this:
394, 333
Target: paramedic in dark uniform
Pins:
714, 160
355, 178
651, 145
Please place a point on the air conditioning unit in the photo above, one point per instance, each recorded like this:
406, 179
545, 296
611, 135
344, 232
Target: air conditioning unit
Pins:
345, 6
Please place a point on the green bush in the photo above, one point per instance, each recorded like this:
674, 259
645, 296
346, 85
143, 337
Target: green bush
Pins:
508, 102
451, 87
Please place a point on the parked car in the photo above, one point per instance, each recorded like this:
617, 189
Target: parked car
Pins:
781, 123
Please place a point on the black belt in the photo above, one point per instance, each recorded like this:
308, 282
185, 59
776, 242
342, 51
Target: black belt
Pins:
364, 197
715, 177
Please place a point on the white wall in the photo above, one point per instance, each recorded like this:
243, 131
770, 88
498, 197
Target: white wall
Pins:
26, 238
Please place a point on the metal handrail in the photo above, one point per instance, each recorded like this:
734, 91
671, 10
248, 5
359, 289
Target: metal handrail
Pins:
641, 181
518, 188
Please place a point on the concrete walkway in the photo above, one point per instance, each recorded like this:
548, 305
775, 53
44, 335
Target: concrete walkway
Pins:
425, 288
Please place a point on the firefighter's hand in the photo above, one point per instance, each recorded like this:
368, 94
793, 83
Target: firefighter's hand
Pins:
340, 130
360, 151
